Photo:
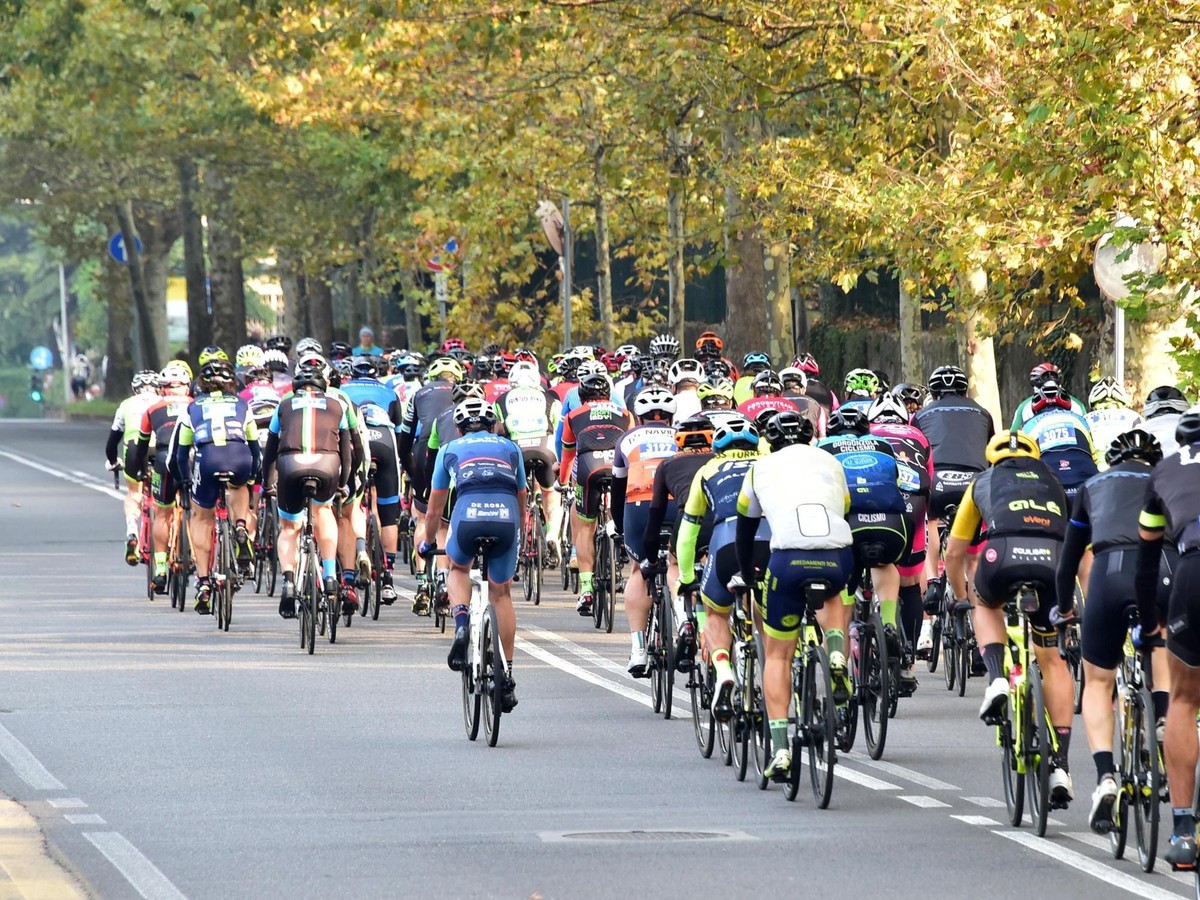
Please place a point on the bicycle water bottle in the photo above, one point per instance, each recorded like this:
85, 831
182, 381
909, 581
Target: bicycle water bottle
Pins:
854, 643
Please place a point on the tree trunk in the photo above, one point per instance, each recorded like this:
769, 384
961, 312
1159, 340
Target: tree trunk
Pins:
119, 349
597, 149
677, 166
414, 339
159, 229
320, 309
976, 340
148, 353
746, 322
912, 365
194, 268
295, 299
778, 277
225, 252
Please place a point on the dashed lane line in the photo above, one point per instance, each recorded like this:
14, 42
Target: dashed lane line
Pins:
80, 478
25, 764
146, 878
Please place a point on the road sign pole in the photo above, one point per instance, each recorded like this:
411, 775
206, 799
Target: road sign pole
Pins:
441, 289
1119, 344
567, 260
66, 332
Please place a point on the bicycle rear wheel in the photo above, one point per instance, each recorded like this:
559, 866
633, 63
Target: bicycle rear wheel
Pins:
492, 677
310, 591
378, 568
1014, 781
1147, 783
759, 723
611, 586
791, 787
539, 551
334, 607
935, 646
963, 658
703, 721
654, 658
599, 568
1037, 738
874, 686
743, 721
471, 703
950, 661
820, 716
666, 661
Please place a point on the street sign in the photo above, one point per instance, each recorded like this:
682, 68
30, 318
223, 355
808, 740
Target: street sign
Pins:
437, 265
116, 248
41, 358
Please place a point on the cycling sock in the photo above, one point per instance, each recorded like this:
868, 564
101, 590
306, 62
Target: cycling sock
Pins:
835, 641
912, 611
1062, 756
391, 560
720, 661
462, 616
638, 639
160, 561
1185, 822
887, 612
1160, 700
779, 739
347, 576
288, 577
585, 582
329, 568
360, 545
1104, 764
993, 660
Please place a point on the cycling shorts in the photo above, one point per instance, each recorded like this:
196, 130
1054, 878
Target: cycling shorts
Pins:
387, 476
637, 514
486, 514
722, 564
420, 480
948, 489
1007, 562
783, 601
162, 483
880, 539
540, 459
208, 459
913, 561
293, 468
1110, 596
593, 472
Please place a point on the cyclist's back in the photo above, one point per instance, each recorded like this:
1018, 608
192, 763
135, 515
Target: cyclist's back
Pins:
1066, 445
958, 430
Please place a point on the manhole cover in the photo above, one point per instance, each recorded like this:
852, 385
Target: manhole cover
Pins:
663, 835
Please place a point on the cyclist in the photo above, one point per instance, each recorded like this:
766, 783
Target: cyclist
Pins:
913, 396
1105, 516
815, 388
154, 436
795, 388
686, 376
488, 477
1172, 508
716, 397
568, 375
862, 386
309, 437
877, 520
889, 419
122, 437
1064, 441
527, 414
219, 428
1109, 415
276, 362
768, 395
1024, 509
405, 379
812, 545
665, 346
709, 348
753, 363
672, 482
590, 435
258, 384
1164, 406
248, 356
499, 384
639, 453
339, 351
715, 491
1032, 405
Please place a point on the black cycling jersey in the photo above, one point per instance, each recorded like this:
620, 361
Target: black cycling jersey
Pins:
820, 393
1174, 494
1020, 497
958, 430
672, 481
426, 405
1108, 504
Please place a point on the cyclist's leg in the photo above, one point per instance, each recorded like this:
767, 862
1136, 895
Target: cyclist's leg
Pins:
719, 569
1182, 628
164, 490
637, 597
589, 469
992, 586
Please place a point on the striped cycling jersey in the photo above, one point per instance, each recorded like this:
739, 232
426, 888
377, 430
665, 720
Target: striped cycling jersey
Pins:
639, 453
310, 422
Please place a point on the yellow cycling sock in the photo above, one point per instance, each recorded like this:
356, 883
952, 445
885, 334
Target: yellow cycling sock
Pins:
835, 641
585, 582
887, 612
160, 561
720, 661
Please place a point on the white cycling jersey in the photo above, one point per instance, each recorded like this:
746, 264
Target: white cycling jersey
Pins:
802, 493
1106, 424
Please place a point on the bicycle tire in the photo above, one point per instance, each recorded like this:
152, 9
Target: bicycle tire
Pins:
963, 658
309, 600
703, 721
762, 729
1038, 742
472, 703
1124, 755
230, 576
743, 719
526, 575
599, 566
791, 787
610, 577
334, 613
725, 736
666, 628
272, 563
950, 661
874, 687
493, 663
184, 567
653, 641
820, 716
218, 575
149, 565
1147, 785
539, 551
1013, 781
364, 603
322, 612
378, 568
848, 724
935, 645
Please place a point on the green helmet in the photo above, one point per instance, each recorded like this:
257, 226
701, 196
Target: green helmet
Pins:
862, 382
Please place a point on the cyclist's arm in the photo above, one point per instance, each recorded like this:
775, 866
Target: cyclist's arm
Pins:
962, 532
749, 513
620, 483
183, 447
114, 438
270, 454
1079, 535
432, 448
689, 529
1151, 524
346, 444
566, 453
656, 514
439, 482
405, 435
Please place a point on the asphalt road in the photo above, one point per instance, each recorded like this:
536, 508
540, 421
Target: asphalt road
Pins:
162, 758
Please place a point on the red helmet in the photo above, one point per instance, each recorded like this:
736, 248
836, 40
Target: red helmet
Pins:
1041, 370
451, 344
611, 362
807, 364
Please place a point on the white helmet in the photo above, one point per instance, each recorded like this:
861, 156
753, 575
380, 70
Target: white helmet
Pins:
524, 374
654, 400
1108, 393
308, 345
250, 356
590, 367
794, 374
887, 408
686, 370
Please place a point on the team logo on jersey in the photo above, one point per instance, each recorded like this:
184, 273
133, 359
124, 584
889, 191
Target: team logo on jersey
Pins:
1049, 507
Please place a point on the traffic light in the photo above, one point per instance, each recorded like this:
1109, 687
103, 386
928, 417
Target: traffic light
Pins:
37, 384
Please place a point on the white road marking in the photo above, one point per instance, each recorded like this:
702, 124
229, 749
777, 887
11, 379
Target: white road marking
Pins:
925, 781
68, 803
85, 819
1068, 857
860, 778
1101, 843
590, 677
64, 475
147, 879
579, 650
977, 820
987, 802
924, 802
25, 764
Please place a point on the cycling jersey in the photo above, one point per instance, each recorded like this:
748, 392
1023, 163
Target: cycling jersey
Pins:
822, 394
309, 436
1107, 505
860, 403
1172, 502
912, 455
371, 390
1106, 424
1065, 444
811, 410
804, 513
1016, 497
1163, 428
495, 389
1025, 411
872, 474
714, 491
479, 462
128, 418
672, 481
258, 391
158, 421
594, 427
225, 437
640, 451
425, 405
525, 412
753, 407
570, 403
958, 430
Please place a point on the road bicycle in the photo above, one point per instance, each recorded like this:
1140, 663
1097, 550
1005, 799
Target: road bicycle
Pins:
146, 533
606, 570
372, 586
814, 718
266, 557
179, 550
872, 672
701, 686
660, 636
312, 603
570, 577
751, 728
533, 542
959, 642
225, 576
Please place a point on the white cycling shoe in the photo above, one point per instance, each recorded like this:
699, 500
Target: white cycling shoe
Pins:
995, 699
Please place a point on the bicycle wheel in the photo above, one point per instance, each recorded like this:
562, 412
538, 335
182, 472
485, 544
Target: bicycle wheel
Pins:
703, 722
309, 598
378, 567
472, 702
654, 658
183, 568
1037, 740
271, 524
219, 576
743, 719
725, 740
611, 584
935, 646
666, 632
364, 602
492, 677
1124, 757
791, 787
1014, 781
322, 609
950, 660
963, 658
334, 606
874, 686
526, 559
759, 723
1147, 784
820, 716
539, 551
148, 543
599, 567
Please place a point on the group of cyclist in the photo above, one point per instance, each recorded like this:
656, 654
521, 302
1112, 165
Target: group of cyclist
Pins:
748, 472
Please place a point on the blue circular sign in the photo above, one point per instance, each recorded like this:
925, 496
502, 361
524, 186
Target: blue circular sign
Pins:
41, 358
116, 247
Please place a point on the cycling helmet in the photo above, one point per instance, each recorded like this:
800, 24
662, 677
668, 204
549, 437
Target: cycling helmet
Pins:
275, 360
144, 380
595, 386
1048, 390
685, 370
524, 354
887, 409
314, 359
659, 371
785, 428
308, 345
524, 374
732, 431
1011, 444
625, 351
484, 366
491, 349
767, 384
174, 377
474, 414
709, 344
807, 364
716, 395
584, 351
465, 389
568, 366
948, 380
364, 367
631, 365
342, 368
794, 379
181, 363
654, 401
262, 409
218, 375
339, 350
1041, 370
590, 367
443, 366
451, 344
907, 394
310, 376
694, 433
211, 352
1107, 394
611, 362
754, 362
848, 420
1187, 431
249, 356
665, 345
1134, 444
280, 342
258, 373
862, 382
1164, 400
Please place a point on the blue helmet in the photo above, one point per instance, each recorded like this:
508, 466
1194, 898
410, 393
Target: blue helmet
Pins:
734, 430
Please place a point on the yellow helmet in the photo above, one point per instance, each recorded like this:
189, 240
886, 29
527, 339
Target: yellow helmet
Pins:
1010, 444
181, 364
445, 366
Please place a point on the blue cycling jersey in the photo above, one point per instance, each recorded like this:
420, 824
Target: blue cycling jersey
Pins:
872, 475
479, 461
1065, 442
362, 391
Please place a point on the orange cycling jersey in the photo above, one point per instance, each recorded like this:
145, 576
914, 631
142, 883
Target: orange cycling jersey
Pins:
639, 452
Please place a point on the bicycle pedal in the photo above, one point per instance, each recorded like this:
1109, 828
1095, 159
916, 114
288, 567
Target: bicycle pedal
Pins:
997, 721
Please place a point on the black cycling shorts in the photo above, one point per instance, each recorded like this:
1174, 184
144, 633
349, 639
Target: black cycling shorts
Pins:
325, 467
1110, 596
538, 454
420, 479
162, 484
1183, 611
387, 475
593, 472
948, 488
880, 539
914, 551
1007, 562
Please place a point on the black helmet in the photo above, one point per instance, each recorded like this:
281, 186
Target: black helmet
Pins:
218, 375
1134, 444
948, 380
340, 350
848, 420
309, 377
279, 342
766, 383
786, 428
595, 386
1164, 400
364, 367
1187, 432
